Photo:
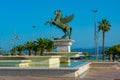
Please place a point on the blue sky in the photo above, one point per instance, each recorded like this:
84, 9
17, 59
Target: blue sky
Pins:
18, 17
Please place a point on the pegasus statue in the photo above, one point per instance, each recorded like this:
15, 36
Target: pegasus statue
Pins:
61, 23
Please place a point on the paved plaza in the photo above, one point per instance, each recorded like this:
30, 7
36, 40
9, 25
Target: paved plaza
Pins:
93, 74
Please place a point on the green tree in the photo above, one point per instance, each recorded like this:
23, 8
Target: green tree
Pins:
85, 54
104, 26
42, 44
117, 47
110, 52
29, 46
50, 45
20, 49
113, 51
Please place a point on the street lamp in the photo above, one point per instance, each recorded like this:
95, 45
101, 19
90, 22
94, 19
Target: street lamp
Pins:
33, 32
95, 34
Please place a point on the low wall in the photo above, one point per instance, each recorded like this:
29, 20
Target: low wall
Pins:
105, 65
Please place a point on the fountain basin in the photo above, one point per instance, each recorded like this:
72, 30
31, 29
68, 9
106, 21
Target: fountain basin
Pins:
29, 61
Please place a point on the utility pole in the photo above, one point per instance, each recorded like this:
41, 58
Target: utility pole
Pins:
95, 34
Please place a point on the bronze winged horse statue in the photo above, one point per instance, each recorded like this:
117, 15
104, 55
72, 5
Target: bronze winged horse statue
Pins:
60, 22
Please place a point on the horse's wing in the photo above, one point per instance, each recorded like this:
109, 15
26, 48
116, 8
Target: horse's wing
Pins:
67, 19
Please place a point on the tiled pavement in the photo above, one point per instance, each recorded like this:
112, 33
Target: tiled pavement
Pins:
94, 74
102, 74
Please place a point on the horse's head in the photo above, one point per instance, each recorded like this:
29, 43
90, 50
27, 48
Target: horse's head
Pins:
58, 12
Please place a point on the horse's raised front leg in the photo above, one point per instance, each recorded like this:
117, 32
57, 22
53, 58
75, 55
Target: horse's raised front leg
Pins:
50, 22
46, 22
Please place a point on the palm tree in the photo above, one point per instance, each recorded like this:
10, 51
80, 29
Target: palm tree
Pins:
20, 49
104, 26
50, 46
117, 47
110, 51
113, 51
42, 44
35, 48
29, 46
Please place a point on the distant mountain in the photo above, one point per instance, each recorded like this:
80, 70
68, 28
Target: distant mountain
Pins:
89, 50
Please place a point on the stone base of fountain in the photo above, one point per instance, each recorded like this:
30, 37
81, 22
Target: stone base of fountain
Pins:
29, 61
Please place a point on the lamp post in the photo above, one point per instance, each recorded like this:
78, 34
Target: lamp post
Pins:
33, 32
15, 38
51, 36
95, 34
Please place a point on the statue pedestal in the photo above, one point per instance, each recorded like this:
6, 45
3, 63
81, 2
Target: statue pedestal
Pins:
63, 45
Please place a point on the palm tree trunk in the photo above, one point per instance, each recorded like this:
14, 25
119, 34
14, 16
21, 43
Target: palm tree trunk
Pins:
103, 46
42, 52
20, 53
30, 52
111, 57
36, 53
50, 50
